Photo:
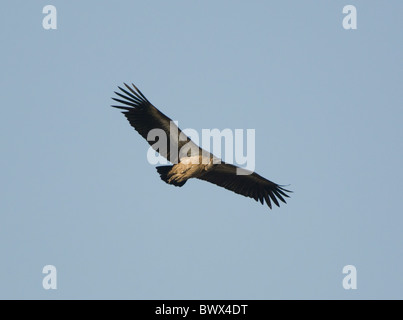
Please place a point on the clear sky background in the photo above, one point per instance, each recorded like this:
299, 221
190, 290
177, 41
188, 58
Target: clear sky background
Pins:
78, 193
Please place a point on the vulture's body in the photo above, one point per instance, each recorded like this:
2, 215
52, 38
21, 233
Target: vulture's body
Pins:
189, 160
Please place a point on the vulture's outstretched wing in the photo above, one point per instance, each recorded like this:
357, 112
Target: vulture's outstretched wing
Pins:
252, 185
143, 117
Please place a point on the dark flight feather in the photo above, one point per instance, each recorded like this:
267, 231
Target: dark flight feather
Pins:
143, 117
253, 185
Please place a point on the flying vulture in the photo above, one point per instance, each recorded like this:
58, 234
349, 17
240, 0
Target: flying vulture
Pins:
200, 164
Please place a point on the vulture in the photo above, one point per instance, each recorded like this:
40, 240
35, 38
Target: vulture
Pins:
194, 162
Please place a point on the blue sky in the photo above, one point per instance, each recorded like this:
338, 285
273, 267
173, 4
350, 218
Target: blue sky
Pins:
78, 193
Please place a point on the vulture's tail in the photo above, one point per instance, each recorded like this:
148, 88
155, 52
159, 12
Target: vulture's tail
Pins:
163, 171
